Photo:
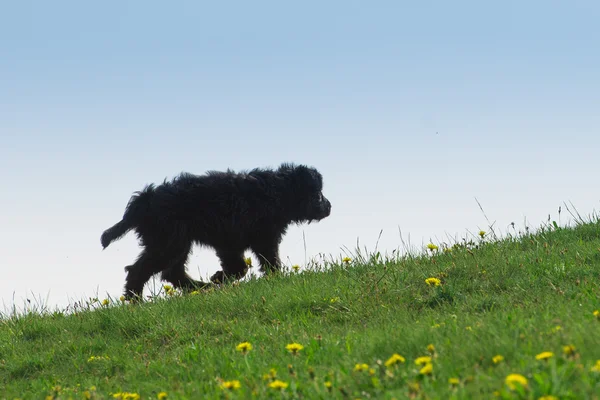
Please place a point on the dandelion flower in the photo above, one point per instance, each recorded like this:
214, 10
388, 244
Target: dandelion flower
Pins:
544, 355
294, 348
168, 287
432, 247
414, 387
161, 396
328, 385
469, 328
596, 367
427, 369
482, 233
423, 360
453, 381
122, 298
596, 314
513, 380
497, 359
433, 281
431, 348
244, 347
97, 358
126, 396
194, 293
231, 385
569, 349
361, 367
295, 267
271, 375
346, 260
549, 397
277, 384
105, 302
248, 261
394, 359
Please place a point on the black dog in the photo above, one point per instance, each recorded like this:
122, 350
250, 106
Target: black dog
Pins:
227, 211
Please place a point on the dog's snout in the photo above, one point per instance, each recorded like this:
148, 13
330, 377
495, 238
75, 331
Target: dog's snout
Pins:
327, 207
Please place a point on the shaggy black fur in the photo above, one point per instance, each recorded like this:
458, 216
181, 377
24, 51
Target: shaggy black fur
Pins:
230, 212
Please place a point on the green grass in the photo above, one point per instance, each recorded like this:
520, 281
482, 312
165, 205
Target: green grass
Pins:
516, 297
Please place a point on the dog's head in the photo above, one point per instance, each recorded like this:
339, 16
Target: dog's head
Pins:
309, 203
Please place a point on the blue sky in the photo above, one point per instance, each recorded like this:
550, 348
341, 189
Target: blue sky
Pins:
411, 110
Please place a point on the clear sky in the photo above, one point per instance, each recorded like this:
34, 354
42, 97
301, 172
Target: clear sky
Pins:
411, 110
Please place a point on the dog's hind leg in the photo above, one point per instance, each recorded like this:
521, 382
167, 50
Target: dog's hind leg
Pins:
178, 276
233, 264
151, 261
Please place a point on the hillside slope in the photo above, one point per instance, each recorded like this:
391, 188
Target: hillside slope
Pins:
363, 325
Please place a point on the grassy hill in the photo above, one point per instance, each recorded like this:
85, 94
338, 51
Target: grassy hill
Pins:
522, 308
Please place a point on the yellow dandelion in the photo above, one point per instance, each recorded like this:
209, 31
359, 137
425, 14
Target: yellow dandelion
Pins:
346, 260
105, 302
271, 375
361, 367
497, 359
122, 298
168, 287
432, 247
596, 314
248, 261
126, 396
277, 384
544, 355
569, 349
97, 358
414, 387
453, 381
394, 359
194, 293
431, 348
231, 385
469, 328
482, 233
244, 347
513, 380
328, 385
433, 281
161, 396
87, 395
294, 348
427, 369
596, 367
549, 397
423, 360
295, 267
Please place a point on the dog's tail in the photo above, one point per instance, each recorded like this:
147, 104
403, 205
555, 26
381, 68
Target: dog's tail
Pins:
135, 211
